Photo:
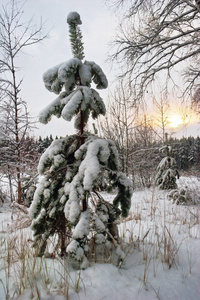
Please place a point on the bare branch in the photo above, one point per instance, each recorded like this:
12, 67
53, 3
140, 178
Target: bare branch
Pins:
155, 37
15, 35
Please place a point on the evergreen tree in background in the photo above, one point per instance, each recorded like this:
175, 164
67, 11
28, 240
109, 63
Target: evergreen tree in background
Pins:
67, 201
167, 171
186, 152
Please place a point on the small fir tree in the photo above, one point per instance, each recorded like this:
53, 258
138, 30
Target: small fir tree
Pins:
73, 167
167, 171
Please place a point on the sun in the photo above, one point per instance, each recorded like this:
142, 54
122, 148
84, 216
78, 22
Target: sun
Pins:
175, 120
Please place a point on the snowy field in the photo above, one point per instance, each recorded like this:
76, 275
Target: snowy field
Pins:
162, 245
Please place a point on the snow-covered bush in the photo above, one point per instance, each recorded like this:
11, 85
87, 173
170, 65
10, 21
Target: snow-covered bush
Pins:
180, 196
192, 185
72, 168
167, 172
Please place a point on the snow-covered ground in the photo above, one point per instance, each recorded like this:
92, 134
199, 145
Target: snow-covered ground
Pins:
162, 245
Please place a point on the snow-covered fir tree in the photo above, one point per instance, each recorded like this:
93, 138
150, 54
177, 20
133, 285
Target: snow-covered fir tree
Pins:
167, 171
73, 167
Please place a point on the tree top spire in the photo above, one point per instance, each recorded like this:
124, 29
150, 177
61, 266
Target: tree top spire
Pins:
74, 18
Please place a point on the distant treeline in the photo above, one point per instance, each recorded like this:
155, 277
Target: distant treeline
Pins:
186, 151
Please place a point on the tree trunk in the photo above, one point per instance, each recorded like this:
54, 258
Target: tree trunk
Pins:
10, 185
84, 201
63, 235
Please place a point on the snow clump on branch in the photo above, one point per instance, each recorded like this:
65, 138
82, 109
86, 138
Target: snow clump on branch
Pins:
74, 18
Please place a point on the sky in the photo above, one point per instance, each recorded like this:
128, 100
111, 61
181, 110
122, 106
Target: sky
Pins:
98, 28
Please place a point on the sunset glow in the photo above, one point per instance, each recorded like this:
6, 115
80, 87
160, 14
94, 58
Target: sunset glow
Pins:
175, 120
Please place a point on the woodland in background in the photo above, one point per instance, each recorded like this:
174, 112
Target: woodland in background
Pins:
143, 159
138, 145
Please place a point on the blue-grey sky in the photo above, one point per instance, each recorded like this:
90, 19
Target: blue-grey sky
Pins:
98, 26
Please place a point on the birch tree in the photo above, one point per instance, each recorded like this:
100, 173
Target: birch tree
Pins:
15, 36
161, 116
118, 125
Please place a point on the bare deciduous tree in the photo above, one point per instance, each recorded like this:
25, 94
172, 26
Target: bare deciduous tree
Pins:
119, 123
193, 76
161, 116
196, 99
145, 153
156, 37
134, 135
15, 36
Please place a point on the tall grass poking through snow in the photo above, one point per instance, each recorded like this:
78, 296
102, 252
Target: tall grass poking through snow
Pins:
160, 230
21, 272
156, 236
